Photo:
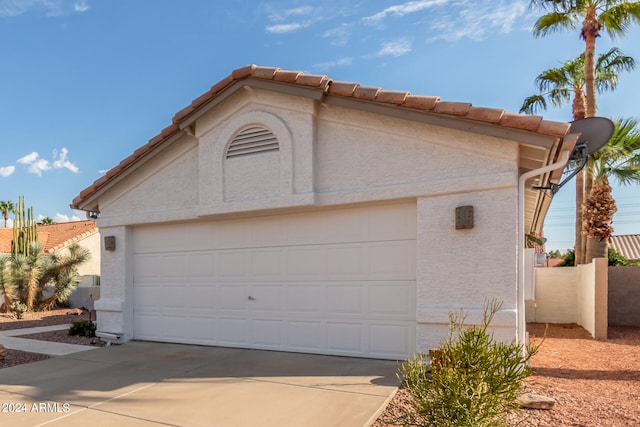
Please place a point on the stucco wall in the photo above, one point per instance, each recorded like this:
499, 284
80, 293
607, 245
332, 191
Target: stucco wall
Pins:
624, 296
92, 244
457, 269
572, 295
334, 156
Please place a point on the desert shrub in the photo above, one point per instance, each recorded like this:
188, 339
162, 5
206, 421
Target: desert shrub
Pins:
474, 381
83, 328
18, 309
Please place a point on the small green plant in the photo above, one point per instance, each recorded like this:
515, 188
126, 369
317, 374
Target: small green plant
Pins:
18, 309
473, 382
83, 328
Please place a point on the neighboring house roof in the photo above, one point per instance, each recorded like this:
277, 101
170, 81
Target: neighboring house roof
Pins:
627, 245
541, 140
53, 237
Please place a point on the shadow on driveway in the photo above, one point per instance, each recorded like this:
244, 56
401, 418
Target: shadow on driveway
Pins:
144, 383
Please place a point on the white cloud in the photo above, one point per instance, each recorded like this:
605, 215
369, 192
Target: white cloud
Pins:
36, 164
405, 9
58, 217
9, 8
325, 66
39, 166
6, 170
29, 158
297, 11
284, 28
81, 6
339, 35
395, 48
304, 16
478, 20
62, 161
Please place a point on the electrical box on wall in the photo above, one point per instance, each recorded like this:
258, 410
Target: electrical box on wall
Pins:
464, 217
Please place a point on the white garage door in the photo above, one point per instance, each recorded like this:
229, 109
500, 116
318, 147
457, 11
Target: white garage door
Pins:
329, 282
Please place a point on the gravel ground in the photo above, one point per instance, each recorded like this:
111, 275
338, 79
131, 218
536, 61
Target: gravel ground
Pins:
595, 383
33, 320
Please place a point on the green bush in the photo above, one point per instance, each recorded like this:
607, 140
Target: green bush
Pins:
474, 381
18, 309
83, 328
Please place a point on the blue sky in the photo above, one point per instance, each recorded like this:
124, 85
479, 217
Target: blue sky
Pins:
86, 82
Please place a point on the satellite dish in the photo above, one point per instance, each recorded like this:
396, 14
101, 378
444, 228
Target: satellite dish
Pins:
595, 133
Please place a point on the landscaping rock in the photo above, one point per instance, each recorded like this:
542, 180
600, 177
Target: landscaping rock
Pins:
535, 401
3, 352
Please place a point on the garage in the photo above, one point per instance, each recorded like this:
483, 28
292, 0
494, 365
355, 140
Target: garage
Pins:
339, 281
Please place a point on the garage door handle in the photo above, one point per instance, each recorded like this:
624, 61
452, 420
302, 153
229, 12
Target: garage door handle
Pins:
251, 298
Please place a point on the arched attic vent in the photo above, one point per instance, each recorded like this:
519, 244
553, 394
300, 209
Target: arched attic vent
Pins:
253, 140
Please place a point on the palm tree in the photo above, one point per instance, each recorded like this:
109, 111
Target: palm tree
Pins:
565, 84
619, 159
5, 208
46, 221
612, 16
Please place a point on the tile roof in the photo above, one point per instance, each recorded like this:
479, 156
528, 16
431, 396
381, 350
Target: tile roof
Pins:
53, 237
627, 245
329, 87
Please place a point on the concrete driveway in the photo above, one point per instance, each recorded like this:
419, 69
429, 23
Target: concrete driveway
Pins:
152, 384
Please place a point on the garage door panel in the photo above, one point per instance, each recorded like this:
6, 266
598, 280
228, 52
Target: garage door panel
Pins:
346, 261
203, 296
266, 298
268, 333
390, 340
233, 263
345, 338
343, 298
305, 262
334, 282
392, 222
306, 298
233, 331
266, 263
233, 297
392, 260
201, 265
392, 299
305, 335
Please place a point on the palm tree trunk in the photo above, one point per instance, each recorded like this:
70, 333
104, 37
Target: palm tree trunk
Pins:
596, 248
590, 31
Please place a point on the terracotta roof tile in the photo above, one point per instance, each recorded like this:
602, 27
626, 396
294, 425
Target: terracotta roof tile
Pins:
312, 80
366, 92
53, 237
345, 89
287, 76
521, 121
241, 73
392, 97
491, 115
547, 127
453, 108
421, 102
265, 72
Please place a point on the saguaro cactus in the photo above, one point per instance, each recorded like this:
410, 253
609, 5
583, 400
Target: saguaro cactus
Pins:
25, 230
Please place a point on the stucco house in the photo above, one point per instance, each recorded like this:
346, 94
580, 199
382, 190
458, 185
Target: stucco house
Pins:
287, 211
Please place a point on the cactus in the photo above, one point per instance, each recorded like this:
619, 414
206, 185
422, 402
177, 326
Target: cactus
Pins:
25, 230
